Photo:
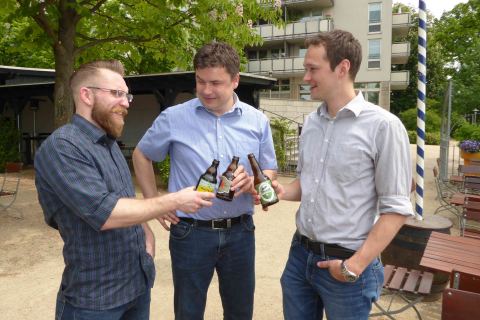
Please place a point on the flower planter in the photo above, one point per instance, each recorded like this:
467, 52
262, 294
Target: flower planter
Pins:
468, 157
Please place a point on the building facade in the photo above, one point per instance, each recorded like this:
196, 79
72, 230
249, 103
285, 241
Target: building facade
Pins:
370, 21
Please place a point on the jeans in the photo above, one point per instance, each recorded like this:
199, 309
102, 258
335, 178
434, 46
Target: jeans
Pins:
196, 252
138, 309
308, 290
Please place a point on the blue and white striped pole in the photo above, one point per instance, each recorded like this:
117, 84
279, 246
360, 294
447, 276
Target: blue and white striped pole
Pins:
421, 92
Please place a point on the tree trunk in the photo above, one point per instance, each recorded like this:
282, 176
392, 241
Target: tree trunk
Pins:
64, 51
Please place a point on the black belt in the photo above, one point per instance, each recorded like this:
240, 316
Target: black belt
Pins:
320, 248
216, 223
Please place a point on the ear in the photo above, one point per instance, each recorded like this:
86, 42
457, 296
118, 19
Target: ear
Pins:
86, 96
236, 81
343, 68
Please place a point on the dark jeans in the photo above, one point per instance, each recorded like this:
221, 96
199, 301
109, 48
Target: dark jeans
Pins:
196, 252
138, 309
308, 290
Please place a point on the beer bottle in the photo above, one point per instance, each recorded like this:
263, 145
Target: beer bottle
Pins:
224, 191
262, 184
208, 180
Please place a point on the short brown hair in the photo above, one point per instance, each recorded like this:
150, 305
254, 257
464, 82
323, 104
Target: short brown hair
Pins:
339, 45
217, 54
87, 70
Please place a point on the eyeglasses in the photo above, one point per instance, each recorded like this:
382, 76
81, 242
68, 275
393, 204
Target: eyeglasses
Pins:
116, 93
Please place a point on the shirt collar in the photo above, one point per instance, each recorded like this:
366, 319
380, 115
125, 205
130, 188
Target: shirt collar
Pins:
356, 105
92, 131
236, 109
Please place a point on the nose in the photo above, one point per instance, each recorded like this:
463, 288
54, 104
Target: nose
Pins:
124, 102
306, 77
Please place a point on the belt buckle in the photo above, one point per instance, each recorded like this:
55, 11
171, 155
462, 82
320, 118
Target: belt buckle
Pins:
229, 223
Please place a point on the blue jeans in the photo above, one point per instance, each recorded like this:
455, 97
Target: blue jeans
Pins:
138, 309
308, 290
196, 252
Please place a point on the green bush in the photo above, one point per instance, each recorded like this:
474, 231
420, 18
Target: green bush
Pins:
467, 131
430, 137
409, 118
163, 171
280, 129
9, 140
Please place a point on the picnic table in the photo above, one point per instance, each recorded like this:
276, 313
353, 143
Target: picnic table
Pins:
446, 253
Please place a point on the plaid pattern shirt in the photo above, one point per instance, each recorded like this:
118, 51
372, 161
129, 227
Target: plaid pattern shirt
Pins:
80, 173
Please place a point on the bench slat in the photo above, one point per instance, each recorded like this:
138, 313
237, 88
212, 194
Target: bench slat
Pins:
426, 283
397, 278
388, 270
411, 282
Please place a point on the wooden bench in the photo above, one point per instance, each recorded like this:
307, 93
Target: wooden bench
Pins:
409, 285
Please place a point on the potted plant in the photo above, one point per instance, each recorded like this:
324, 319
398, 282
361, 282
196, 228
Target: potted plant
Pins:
469, 150
9, 140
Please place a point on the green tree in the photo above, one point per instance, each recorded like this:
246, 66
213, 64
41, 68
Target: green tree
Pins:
436, 78
458, 35
145, 34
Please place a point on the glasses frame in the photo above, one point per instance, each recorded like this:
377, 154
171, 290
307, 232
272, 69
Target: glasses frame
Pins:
116, 93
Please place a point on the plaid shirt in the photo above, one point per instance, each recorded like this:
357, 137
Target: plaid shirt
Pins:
80, 175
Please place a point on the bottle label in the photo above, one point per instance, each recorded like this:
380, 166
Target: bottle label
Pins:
225, 185
266, 192
205, 186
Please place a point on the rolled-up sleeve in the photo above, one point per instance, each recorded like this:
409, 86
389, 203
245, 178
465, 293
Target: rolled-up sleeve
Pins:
393, 173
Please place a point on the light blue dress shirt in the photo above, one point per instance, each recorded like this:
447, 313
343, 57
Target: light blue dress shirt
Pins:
193, 136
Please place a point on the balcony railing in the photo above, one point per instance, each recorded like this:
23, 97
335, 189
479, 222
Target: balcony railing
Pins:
400, 24
299, 29
399, 80
276, 65
316, 3
400, 52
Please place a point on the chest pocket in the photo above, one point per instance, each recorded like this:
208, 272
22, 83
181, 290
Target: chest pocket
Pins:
346, 162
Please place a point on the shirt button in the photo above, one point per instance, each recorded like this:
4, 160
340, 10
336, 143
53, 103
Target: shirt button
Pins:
312, 201
321, 160
309, 220
326, 140
316, 181
221, 156
220, 137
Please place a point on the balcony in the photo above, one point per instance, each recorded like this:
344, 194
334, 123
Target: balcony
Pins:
400, 52
400, 24
307, 4
399, 80
277, 66
299, 29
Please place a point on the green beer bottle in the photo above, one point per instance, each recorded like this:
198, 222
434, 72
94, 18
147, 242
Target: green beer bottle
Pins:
262, 183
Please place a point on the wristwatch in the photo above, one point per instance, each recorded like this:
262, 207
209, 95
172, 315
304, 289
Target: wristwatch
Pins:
348, 275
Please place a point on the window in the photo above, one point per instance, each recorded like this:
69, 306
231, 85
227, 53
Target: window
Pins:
305, 92
374, 17
374, 54
312, 15
280, 90
262, 54
252, 55
277, 53
370, 90
302, 52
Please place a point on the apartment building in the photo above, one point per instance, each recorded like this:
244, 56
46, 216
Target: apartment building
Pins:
370, 21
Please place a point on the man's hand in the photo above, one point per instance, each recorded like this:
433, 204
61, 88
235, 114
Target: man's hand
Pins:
242, 182
279, 190
334, 267
190, 201
170, 217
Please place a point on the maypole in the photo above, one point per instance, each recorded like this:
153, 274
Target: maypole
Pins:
421, 91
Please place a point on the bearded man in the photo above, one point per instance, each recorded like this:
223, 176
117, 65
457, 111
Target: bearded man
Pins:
86, 192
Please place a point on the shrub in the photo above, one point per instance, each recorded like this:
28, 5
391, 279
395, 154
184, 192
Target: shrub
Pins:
430, 137
9, 139
280, 129
163, 171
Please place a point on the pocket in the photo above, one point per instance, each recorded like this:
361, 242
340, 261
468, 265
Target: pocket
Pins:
180, 230
248, 224
346, 162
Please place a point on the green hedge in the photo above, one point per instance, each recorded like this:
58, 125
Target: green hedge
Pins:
9, 139
432, 138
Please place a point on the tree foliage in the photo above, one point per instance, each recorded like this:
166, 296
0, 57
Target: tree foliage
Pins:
147, 35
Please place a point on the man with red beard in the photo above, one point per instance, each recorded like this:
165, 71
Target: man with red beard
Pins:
86, 192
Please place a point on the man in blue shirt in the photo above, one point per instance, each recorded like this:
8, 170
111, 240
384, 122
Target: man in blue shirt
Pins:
216, 125
85, 189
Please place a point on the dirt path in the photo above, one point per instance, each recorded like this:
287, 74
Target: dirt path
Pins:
31, 260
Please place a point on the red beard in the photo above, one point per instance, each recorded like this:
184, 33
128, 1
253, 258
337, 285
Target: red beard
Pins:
106, 119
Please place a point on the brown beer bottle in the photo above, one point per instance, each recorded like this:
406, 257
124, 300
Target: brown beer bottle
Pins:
262, 184
208, 180
224, 191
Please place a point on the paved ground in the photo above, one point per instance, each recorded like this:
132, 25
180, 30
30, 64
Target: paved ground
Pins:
31, 260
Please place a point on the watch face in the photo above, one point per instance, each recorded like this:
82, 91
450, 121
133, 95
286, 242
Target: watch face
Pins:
350, 278
347, 274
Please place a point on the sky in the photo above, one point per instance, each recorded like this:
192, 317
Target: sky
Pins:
436, 7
